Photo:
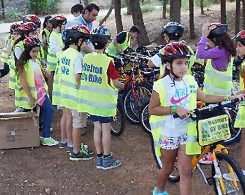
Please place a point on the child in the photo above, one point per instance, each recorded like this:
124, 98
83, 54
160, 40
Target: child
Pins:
56, 44
31, 88
47, 28
6, 52
98, 96
32, 18
240, 120
171, 135
77, 10
69, 70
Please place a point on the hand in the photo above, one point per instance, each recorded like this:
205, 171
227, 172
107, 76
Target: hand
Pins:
31, 101
205, 30
239, 96
183, 113
47, 73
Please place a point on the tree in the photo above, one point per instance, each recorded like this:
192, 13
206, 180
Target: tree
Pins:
201, 6
191, 18
243, 13
223, 11
238, 4
138, 20
175, 10
129, 11
108, 13
86, 3
118, 16
164, 9
3, 13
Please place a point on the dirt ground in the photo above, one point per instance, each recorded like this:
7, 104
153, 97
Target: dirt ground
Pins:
47, 170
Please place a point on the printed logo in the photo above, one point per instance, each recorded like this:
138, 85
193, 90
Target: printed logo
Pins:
174, 101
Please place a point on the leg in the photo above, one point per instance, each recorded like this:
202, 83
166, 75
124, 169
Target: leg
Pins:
4, 71
50, 84
106, 138
184, 166
69, 127
98, 137
243, 149
76, 131
168, 159
63, 126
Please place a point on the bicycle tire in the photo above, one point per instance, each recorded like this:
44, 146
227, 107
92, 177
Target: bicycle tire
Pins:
118, 124
174, 177
224, 160
236, 133
144, 119
131, 106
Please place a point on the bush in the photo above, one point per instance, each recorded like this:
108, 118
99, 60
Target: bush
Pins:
43, 7
12, 14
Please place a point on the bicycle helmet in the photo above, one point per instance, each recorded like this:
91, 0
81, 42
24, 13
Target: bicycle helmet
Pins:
33, 41
217, 29
57, 19
240, 36
174, 30
27, 27
32, 18
101, 34
75, 32
14, 27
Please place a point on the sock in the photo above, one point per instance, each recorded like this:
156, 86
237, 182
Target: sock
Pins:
99, 155
70, 145
64, 142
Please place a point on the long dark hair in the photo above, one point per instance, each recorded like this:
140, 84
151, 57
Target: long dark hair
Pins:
226, 42
25, 56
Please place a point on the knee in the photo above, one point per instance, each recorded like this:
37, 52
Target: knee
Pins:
168, 168
185, 171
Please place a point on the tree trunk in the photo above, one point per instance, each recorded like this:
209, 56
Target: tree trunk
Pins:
118, 17
223, 11
191, 18
108, 13
138, 20
129, 11
201, 6
238, 10
243, 13
3, 12
85, 3
175, 10
164, 9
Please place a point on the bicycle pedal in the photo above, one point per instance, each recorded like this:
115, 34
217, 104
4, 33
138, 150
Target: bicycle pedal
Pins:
210, 181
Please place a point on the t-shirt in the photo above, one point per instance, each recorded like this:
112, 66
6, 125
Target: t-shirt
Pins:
54, 46
40, 89
112, 72
121, 37
78, 64
177, 92
17, 52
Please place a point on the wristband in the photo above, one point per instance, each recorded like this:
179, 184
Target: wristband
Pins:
174, 108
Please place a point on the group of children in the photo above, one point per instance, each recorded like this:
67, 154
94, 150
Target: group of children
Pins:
82, 83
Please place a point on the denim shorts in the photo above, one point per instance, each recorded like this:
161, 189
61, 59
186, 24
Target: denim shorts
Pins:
101, 119
172, 143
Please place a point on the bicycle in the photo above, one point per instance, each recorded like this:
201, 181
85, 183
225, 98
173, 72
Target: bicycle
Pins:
222, 164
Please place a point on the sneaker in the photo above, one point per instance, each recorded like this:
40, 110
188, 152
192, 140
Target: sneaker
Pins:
62, 144
19, 109
85, 149
99, 163
80, 156
49, 141
110, 162
156, 193
228, 177
207, 159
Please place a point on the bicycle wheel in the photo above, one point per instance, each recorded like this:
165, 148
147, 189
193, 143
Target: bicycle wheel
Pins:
144, 119
174, 177
134, 100
221, 169
118, 124
235, 132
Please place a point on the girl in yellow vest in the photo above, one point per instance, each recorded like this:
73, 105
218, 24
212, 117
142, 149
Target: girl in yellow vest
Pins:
98, 96
68, 76
176, 93
31, 89
47, 28
55, 46
6, 52
240, 119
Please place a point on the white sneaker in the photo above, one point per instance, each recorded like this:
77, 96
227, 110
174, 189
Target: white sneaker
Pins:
49, 141
228, 177
19, 109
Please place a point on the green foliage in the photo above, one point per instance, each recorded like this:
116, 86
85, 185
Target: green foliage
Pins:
206, 3
42, 7
12, 14
53, 6
148, 7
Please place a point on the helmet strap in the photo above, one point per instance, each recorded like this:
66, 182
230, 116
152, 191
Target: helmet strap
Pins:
171, 72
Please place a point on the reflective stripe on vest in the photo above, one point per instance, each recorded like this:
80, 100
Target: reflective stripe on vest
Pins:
218, 82
52, 58
4, 54
112, 49
21, 98
97, 97
157, 122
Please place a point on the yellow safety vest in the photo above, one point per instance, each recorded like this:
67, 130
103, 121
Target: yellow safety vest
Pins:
67, 93
240, 117
45, 52
157, 122
218, 82
112, 49
52, 58
12, 75
96, 96
4, 54
21, 98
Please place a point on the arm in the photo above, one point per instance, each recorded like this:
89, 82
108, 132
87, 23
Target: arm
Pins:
117, 45
54, 45
118, 84
150, 64
26, 88
9, 49
78, 77
45, 44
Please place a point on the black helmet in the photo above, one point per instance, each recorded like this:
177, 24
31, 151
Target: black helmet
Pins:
75, 32
217, 29
173, 29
